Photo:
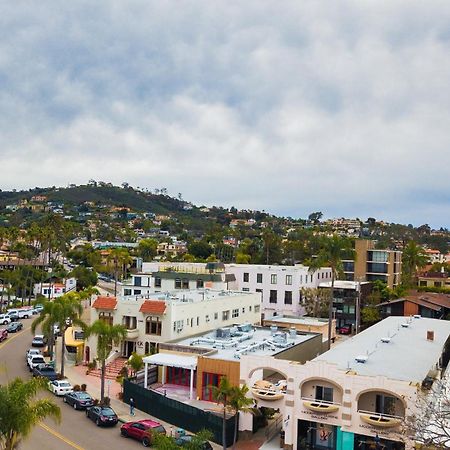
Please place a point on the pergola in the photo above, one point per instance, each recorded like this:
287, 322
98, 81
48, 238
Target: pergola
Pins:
172, 360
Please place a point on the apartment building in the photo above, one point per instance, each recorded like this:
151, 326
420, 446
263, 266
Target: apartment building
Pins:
360, 394
373, 264
280, 286
164, 317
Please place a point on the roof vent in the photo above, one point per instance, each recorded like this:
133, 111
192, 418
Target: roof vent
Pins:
405, 325
361, 359
386, 340
417, 316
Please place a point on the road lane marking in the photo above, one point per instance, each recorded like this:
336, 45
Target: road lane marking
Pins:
60, 436
9, 339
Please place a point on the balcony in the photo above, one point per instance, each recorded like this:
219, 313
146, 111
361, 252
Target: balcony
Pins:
320, 406
380, 420
265, 390
133, 333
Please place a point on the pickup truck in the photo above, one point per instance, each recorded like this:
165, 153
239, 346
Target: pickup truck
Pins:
21, 313
46, 371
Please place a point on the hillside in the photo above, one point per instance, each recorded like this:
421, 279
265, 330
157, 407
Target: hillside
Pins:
100, 194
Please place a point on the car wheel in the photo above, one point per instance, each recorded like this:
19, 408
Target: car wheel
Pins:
146, 442
75, 406
124, 433
65, 400
87, 414
97, 422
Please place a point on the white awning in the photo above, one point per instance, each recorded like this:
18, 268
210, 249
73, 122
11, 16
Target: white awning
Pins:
172, 360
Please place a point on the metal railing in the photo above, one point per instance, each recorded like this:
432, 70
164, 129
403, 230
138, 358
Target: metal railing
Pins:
381, 415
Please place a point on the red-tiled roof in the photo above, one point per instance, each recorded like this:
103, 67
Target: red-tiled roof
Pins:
105, 303
153, 307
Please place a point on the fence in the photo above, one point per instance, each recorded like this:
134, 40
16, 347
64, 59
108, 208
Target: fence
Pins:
177, 413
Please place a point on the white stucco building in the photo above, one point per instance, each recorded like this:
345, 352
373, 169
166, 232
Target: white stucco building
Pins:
164, 317
358, 394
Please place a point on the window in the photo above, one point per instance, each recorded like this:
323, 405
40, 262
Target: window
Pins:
257, 308
138, 281
130, 322
288, 297
177, 283
225, 315
158, 282
207, 318
324, 393
273, 296
385, 404
259, 278
137, 292
246, 277
273, 278
185, 283
127, 292
235, 313
216, 316
106, 317
243, 310
250, 308
289, 280
198, 320
153, 325
200, 283
301, 279
245, 289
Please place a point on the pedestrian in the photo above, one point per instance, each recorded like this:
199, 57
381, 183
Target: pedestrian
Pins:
131, 407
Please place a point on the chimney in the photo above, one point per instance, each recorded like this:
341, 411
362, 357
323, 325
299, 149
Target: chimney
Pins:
430, 335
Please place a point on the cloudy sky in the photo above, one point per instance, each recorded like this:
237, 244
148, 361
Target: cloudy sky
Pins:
287, 106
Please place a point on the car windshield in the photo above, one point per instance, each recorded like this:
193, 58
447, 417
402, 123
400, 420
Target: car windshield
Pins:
84, 396
159, 429
64, 384
108, 412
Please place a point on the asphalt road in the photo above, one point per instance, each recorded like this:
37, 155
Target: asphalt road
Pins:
75, 431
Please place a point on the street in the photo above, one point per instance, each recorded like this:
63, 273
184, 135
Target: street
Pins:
75, 431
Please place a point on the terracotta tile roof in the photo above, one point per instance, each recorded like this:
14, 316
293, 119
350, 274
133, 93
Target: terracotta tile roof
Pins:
153, 307
105, 303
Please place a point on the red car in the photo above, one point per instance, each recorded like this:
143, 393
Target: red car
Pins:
142, 430
346, 329
3, 335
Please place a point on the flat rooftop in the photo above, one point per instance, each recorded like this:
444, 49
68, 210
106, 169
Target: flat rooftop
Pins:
230, 343
191, 295
408, 355
307, 321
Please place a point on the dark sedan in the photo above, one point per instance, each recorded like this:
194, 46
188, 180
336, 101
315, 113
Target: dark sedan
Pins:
186, 440
102, 415
13, 327
79, 400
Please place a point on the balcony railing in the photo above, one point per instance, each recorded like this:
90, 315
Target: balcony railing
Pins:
321, 406
379, 419
132, 333
265, 390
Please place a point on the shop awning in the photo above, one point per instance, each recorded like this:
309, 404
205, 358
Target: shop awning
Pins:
171, 360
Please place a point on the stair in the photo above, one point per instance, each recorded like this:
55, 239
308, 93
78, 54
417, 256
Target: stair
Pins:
112, 369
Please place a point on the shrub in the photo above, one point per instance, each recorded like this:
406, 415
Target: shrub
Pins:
83, 387
77, 388
106, 401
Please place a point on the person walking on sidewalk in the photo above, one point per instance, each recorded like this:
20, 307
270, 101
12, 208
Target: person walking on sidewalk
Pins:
131, 407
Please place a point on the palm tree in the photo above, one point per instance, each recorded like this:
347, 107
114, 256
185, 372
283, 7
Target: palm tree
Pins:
239, 402
48, 318
88, 292
108, 336
118, 258
413, 259
20, 411
68, 308
331, 253
223, 395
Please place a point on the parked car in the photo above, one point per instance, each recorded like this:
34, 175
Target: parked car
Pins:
22, 313
38, 308
46, 371
5, 319
346, 329
79, 400
60, 387
34, 360
102, 415
142, 430
3, 334
38, 341
32, 351
182, 441
56, 330
13, 327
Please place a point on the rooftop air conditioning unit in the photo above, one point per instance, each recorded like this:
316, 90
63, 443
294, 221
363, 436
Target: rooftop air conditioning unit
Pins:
386, 340
405, 325
361, 359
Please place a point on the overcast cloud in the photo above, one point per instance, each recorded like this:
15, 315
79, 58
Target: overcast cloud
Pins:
287, 106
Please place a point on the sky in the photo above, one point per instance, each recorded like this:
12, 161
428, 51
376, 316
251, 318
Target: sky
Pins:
289, 107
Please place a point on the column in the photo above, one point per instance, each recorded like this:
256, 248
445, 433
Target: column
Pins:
145, 375
191, 385
163, 374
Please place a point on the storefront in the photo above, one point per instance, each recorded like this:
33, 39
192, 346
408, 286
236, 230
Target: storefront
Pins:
179, 376
314, 435
376, 443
